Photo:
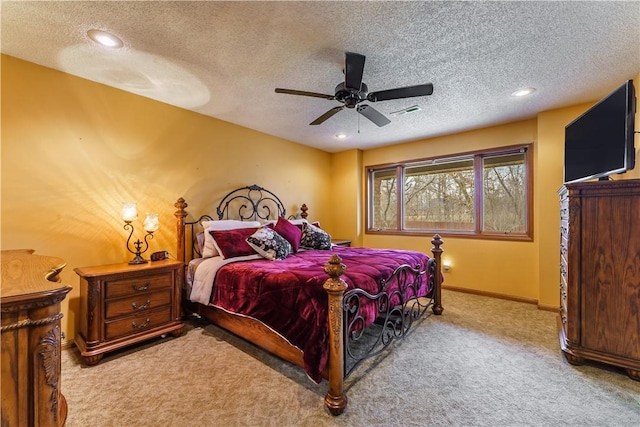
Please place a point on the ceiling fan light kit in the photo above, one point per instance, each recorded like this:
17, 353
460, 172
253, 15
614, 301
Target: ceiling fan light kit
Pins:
353, 92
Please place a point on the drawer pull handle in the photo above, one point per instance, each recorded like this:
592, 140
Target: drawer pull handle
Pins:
144, 325
141, 307
141, 288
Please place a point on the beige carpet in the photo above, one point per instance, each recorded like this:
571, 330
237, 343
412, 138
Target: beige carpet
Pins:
484, 362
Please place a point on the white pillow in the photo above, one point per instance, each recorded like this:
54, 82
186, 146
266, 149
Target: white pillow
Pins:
209, 248
298, 221
301, 221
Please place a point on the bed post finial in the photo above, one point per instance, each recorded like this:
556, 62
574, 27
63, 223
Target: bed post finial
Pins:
436, 250
303, 211
180, 215
335, 400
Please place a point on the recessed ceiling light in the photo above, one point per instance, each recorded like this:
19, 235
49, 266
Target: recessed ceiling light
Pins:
105, 39
342, 135
524, 91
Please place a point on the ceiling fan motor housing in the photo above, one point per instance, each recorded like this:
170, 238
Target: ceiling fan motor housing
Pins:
352, 92
351, 97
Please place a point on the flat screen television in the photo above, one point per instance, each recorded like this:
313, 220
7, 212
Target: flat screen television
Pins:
600, 142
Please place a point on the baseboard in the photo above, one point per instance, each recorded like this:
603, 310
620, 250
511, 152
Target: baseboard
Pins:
552, 308
66, 344
501, 296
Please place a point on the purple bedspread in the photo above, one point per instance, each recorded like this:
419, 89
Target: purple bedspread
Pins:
287, 295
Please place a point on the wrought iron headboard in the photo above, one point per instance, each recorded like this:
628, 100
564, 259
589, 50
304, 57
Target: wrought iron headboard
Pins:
250, 203
253, 203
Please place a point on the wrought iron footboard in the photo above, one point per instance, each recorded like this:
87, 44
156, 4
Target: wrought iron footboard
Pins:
398, 307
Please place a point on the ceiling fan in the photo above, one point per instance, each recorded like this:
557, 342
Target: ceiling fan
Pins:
352, 92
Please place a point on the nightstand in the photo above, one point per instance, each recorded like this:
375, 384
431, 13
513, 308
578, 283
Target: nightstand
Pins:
123, 304
341, 242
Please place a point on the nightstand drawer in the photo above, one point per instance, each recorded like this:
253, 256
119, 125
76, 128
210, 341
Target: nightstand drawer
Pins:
137, 303
124, 304
140, 323
133, 286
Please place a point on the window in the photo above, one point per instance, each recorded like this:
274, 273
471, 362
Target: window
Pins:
477, 194
504, 193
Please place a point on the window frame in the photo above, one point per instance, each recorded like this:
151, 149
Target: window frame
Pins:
477, 232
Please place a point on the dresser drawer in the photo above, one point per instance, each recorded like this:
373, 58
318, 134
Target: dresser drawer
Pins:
564, 209
137, 303
136, 285
139, 323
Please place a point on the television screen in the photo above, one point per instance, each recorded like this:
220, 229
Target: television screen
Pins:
600, 142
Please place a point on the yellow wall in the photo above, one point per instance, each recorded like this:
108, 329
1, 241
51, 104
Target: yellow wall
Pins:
493, 266
74, 150
346, 210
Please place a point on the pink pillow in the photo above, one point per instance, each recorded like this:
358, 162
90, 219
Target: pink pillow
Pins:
290, 232
233, 243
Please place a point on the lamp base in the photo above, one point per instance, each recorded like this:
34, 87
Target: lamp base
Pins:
138, 260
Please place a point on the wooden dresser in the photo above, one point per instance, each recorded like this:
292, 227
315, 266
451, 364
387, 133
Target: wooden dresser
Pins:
600, 273
30, 335
122, 304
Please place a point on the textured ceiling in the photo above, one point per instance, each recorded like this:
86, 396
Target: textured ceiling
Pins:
224, 59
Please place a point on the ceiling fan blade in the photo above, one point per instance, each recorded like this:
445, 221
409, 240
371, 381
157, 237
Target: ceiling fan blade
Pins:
401, 92
326, 115
304, 93
374, 115
353, 69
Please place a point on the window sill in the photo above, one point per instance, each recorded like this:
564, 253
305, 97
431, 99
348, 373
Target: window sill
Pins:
512, 237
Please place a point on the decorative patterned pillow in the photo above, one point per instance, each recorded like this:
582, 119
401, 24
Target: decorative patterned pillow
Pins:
314, 237
301, 222
269, 244
290, 232
233, 243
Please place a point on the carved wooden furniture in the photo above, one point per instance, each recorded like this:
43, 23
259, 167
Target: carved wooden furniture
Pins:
30, 336
123, 304
600, 273
342, 329
341, 242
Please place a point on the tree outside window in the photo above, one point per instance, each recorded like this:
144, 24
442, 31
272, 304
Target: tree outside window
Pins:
480, 194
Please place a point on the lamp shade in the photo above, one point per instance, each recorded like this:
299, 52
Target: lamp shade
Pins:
129, 212
151, 223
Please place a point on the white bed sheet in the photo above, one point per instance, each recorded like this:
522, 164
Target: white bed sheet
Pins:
205, 273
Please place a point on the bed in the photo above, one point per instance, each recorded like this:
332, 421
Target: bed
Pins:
278, 282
